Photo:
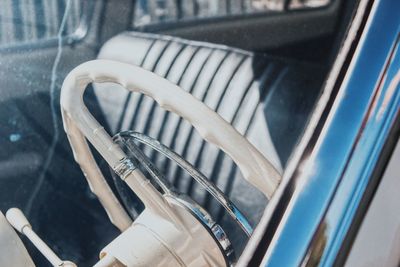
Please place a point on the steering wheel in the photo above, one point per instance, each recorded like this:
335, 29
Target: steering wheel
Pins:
172, 229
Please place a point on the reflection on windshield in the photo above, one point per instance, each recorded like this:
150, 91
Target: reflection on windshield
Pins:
32, 22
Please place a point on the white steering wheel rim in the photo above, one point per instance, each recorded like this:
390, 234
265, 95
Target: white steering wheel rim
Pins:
80, 124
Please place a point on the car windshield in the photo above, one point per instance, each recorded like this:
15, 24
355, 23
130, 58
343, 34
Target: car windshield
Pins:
259, 64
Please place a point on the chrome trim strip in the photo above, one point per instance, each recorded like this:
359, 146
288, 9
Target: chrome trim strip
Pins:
210, 187
280, 194
124, 167
331, 181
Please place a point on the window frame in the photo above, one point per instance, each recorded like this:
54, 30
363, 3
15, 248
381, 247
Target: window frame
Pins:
284, 230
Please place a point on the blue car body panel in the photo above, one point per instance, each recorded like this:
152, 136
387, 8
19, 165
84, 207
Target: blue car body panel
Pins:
339, 168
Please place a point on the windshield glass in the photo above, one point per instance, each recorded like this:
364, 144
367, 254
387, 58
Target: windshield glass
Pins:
259, 64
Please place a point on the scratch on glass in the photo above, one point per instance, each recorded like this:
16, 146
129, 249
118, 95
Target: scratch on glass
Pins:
53, 109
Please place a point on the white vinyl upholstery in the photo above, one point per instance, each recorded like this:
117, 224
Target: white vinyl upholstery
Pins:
238, 85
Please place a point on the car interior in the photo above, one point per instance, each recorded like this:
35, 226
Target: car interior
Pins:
260, 64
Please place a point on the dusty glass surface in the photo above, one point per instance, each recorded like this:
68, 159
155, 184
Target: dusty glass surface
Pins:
35, 22
267, 94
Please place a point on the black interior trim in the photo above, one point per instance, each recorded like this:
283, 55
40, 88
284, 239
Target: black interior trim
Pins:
281, 28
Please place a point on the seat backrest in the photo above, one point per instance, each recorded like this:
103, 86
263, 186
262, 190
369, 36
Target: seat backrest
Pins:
237, 84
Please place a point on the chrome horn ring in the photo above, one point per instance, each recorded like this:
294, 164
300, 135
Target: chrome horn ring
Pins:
125, 139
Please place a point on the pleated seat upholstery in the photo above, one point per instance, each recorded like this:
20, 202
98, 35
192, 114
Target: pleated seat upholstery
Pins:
248, 90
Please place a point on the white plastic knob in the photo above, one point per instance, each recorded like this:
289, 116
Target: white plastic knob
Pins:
17, 219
